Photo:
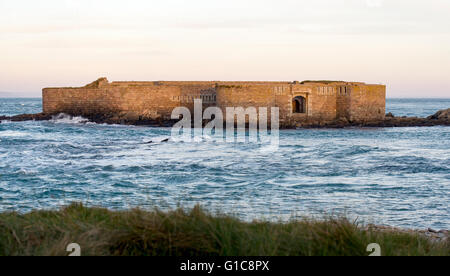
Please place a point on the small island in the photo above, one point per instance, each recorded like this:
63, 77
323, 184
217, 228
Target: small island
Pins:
307, 104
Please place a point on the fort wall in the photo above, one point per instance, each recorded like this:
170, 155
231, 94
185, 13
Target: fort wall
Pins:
133, 103
343, 101
298, 103
367, 102
246, 96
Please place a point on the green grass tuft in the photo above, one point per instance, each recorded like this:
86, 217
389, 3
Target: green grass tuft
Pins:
194, 233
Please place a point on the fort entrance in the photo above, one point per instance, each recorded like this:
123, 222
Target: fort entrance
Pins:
299, 105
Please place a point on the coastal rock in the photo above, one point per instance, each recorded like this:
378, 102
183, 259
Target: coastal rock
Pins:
29, 117
342, 121
441, 118
443, 115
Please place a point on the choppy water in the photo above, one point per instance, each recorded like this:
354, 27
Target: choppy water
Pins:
393, 176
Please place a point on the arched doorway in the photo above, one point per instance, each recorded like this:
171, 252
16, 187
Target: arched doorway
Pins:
299, 105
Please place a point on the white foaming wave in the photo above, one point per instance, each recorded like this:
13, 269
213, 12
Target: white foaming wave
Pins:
197, 139
63, 118
13, 133
267, 149
26, 172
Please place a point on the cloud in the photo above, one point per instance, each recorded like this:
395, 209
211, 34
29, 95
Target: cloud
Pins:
52, 41
320, 17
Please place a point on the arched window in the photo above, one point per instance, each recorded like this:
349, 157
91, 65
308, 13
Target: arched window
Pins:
299, 105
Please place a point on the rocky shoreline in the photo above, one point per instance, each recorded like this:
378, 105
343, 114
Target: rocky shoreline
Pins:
440, 118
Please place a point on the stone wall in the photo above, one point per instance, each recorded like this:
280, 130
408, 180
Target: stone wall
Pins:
325, 101
133, 103
246, 95
130, 100
368, 102
343, 101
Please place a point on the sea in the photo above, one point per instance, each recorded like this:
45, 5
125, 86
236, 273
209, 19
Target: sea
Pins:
388, 176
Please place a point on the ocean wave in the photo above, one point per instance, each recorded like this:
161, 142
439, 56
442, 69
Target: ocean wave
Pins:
13, 133
63, 118
311, 171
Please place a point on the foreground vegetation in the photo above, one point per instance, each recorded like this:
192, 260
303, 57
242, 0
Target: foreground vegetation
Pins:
194, 233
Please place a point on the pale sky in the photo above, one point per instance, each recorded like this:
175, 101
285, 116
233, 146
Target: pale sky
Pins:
404, 44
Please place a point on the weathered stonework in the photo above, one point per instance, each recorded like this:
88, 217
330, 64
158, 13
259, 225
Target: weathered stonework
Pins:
299, 103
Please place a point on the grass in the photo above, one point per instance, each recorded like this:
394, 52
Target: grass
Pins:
193, 233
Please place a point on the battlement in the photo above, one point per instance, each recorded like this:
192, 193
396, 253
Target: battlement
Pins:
298, 102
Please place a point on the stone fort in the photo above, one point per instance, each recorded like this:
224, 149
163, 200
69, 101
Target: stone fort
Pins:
298, 102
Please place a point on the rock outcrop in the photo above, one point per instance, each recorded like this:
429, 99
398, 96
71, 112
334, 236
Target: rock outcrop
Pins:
441, 118
441, 115
27, 117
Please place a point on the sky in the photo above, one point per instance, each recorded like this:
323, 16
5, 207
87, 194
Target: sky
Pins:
404, 44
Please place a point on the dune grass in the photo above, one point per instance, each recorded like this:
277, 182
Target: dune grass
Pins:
193, 233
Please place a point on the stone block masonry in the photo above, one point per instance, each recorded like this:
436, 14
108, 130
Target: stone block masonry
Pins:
308, 102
